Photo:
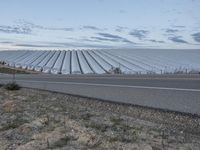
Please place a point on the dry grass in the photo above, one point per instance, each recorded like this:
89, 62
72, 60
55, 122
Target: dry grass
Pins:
34, 119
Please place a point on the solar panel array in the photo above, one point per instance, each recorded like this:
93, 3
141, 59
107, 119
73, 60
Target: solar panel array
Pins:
137, 61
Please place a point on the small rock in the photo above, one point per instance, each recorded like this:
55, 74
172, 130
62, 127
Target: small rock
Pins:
181, 132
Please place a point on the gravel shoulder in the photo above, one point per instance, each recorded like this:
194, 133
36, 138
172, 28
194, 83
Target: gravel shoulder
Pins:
35, 119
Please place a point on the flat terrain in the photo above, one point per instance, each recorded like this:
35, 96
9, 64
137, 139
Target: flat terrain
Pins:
35, 119
10, 70
179, 93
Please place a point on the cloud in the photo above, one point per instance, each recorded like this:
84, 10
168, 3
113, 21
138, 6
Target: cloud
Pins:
196, 36
112, 37
171, 30
35, 26
178, 39
140, 34
91, 28
96, 46
33, 45
60, 29
60, 45
178, 26
104, 39
6, 42
15, 29
156, 41
24, 27
107, 35
120, 29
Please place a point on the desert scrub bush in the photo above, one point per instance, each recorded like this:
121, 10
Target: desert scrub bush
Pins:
96, 126
116, 120
86, 116
116, 70
2, 63
60, 143
12, 124
12, 86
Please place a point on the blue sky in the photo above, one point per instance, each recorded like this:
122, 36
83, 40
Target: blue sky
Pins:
68, 24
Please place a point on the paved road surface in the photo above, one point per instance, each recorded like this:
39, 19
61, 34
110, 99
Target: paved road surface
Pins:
170, 92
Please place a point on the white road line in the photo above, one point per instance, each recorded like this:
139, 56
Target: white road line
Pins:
113, 85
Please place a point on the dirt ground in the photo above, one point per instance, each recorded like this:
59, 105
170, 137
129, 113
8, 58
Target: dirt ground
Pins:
33, 119
10, 70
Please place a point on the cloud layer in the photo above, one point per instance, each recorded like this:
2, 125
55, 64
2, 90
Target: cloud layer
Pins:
156, 41
15, 29
196, 36
140, 34
112, 38
171, 30
31, 25
178, 39
91, 28
93, 36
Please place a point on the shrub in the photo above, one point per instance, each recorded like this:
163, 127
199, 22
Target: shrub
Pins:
116, 70
61, 142
2, 63
116, 120
12, 86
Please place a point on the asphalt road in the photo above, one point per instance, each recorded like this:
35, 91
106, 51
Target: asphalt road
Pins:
169, 92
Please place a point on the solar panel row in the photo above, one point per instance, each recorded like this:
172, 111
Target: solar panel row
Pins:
104, 61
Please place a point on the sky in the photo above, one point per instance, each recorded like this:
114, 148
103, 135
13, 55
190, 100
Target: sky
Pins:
94, 24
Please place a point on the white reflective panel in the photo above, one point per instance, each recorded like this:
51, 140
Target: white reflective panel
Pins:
113, 62
151, 68
94, 65
4, 56
134, 60
66, 63
32, 59
58, 65
21, 60
75, 68
14, 57
105, 65
40, 66
37, 61
84, 64
142, 61
125, 62
51, 62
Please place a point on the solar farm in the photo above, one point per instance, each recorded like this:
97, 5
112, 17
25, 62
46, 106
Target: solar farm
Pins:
128, 61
